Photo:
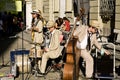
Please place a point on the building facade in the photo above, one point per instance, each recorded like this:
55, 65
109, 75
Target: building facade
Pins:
111, 26
52, 9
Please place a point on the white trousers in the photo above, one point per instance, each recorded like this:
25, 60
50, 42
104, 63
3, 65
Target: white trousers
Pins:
89, 62
45, 58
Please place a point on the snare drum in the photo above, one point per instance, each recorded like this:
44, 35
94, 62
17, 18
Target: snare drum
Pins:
33, 54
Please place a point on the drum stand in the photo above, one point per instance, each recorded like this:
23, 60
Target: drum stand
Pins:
34, 69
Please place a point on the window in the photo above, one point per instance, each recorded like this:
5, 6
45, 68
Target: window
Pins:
68, 5
56, 5
106, 9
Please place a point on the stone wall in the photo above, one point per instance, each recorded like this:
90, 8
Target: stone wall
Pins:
117, 15
46, 9
94, 15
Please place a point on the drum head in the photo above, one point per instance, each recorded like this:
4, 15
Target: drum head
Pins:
26, 63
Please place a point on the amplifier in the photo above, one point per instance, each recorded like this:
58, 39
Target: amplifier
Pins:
104, 66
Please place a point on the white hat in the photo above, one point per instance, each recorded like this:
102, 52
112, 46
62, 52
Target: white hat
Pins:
36, 12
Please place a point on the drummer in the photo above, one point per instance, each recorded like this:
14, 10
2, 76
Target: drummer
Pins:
53, 51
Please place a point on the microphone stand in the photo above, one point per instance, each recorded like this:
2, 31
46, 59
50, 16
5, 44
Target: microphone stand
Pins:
24, 23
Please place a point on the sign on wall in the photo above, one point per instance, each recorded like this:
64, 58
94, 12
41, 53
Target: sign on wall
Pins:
7, 5
18, 5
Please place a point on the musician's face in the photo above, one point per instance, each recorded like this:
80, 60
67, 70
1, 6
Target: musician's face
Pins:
93, 30
78, 18
51, 29
34, 15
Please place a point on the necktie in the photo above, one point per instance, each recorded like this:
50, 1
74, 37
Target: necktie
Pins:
89, 42
50, 38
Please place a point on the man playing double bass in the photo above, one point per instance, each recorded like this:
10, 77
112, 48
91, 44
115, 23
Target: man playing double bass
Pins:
83, 32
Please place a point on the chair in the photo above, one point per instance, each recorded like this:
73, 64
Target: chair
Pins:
54, 65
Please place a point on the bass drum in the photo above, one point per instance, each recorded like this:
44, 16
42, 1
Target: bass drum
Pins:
26, 63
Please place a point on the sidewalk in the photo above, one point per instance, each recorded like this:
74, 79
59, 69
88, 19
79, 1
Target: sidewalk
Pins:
15, 42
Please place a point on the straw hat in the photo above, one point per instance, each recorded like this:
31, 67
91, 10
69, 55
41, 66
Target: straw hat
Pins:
50, 24
95, 23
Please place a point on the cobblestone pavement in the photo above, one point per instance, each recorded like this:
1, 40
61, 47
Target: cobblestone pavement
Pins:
22, 40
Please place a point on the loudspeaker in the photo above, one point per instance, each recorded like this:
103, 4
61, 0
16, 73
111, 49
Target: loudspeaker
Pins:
104, 66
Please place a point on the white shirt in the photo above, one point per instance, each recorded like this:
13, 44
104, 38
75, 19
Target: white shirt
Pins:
53, 32
83, 43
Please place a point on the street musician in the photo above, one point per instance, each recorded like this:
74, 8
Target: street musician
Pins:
36, 34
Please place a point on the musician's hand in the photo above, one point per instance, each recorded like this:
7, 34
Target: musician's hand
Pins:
46, 49
35, 29
31, 28
104, 51
107, 52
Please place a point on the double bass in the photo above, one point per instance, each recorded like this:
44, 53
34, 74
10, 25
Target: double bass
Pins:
69, 71
71, 67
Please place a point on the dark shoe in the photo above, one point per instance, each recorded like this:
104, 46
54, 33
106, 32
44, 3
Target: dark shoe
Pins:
41, 74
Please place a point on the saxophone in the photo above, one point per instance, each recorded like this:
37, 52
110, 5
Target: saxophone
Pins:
32, 30
32, 33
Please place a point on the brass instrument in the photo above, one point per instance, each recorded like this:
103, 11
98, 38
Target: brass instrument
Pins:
32, 29
32, 34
